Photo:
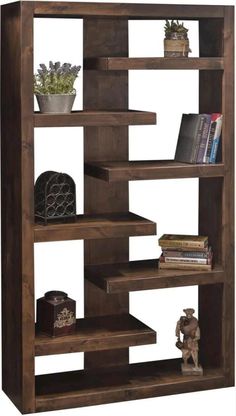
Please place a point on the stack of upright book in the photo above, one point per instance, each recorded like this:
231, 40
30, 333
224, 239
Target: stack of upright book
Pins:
199, 138
187, 252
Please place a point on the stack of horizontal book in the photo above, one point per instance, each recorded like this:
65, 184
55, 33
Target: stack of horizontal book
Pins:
187, 252
199, 138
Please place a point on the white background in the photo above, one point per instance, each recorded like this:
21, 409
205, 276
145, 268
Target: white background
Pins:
172, 204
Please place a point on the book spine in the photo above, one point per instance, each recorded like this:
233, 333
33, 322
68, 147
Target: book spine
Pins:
186, 249
186, 254
180, 244
209, 142
185, 260
197, 139
216, 140
211, 136
205, 132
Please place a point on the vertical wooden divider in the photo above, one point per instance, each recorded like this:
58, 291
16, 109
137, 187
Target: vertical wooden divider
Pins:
103, 90
210, 200
216, 207
17, 165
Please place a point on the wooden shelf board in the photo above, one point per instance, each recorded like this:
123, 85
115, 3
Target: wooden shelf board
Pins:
113, 384
150, 169
145, 275
100, 226
97, 333
95, 118
126, 63
128, 11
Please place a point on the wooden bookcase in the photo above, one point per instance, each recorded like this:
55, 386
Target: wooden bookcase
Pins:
108, 330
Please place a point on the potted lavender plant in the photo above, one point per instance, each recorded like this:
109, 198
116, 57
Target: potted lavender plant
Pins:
54, 87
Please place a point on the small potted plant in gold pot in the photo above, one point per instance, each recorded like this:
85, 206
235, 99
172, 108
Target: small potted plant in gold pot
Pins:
176, 43
54, 87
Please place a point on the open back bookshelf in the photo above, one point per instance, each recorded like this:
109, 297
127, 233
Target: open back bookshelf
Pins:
108, 329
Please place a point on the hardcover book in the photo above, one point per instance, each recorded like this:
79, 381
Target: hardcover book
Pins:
204, 137
189, 138
186, 260
213, 138
187, 241
185, 266
192, 254
216, 138
187, 249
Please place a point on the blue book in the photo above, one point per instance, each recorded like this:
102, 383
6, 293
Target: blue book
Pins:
216, 138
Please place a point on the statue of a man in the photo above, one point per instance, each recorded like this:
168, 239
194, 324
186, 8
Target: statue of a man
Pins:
188, 326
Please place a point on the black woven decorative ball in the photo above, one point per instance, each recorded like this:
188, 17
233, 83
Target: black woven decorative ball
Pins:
54, 195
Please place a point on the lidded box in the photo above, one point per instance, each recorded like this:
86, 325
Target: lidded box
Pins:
56, 313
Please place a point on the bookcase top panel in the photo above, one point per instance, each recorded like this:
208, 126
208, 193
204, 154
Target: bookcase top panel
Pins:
125, 10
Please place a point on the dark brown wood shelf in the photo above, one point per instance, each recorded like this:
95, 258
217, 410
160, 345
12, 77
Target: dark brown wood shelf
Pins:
88, 227
126, 63
107, 223
95, 118
114, 384
150, 169
145, 275
97, 333
128, 11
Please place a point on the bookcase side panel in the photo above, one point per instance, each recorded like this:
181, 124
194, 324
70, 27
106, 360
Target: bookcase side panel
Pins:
216, 210
210, 201
228, 196
105, 91
17, 205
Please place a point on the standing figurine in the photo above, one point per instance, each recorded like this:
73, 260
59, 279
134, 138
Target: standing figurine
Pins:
188, 326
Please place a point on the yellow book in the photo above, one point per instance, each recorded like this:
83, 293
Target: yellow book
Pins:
183, 241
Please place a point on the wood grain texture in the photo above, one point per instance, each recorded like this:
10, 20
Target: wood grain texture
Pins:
228, 198
128, 11
211, 324
214, 82
17, 205
150, 169
98, 333
95, 118
210, 213
110, 91
210, 201
130, 382
211, 37
109, 274
114, 225
145, 275
117, 63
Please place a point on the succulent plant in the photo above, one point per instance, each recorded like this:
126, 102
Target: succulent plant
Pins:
56, 79
175, 27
